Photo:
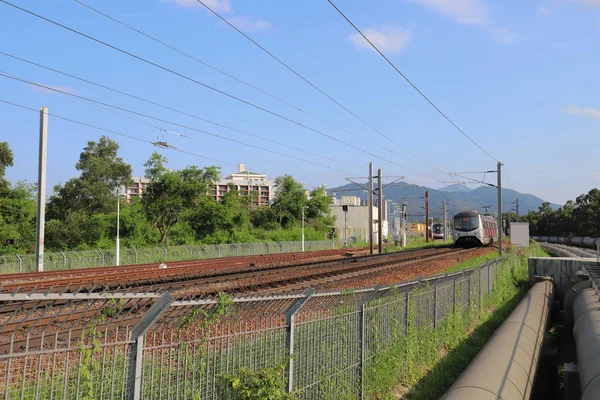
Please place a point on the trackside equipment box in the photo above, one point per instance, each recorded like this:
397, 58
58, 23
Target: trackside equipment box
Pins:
519, 233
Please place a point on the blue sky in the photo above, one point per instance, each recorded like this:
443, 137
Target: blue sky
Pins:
520, 77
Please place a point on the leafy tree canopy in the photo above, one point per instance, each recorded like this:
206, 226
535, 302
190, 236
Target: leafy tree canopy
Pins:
102, 172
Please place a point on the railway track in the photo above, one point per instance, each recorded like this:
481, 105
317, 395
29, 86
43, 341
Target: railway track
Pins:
133, 275
33, 328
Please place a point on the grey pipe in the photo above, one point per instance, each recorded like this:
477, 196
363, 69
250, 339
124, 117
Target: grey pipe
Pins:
586, 331
505, 368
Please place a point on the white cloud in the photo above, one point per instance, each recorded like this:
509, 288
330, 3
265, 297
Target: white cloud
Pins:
62, 88
472, 12
389, 40
506, 36
588, 112
249, 24
593, 175
551, 6
216, 5
546, 10
590, 3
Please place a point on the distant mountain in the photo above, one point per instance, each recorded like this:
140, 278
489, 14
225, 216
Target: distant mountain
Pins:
455, 188
457, 197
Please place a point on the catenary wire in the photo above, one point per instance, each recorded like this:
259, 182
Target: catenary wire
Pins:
411, 83
173, 109
507, 178
164, 130
14, 77
276, 98
213, 88
115, 132
315, 86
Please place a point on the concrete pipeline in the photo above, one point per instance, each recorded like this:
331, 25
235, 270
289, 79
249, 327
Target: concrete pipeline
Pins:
586, 332
505, 368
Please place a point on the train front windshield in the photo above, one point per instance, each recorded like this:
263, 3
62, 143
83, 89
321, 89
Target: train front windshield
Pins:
466, 224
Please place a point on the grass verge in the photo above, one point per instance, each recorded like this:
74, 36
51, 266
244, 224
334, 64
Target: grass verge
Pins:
425, 363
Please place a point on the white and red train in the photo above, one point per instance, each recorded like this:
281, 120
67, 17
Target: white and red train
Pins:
474, 229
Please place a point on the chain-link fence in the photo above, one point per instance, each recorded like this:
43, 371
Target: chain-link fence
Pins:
151, 346
101, 258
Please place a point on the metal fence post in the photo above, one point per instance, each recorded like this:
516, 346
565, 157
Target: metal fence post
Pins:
289, 340
280, 247
479, 290
469, 291
454, 294
236, 249
102, 256
362, 336
253, 249
135, 253
165, 251
407, 321
489, 281
136, 350
218, 250
64, 259
20, 261
435, 304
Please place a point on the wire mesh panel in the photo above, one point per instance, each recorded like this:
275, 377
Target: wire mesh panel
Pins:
10, 264
191, 349
386, 322
89, 345
445, 298
63, 346
99, 258
326, 348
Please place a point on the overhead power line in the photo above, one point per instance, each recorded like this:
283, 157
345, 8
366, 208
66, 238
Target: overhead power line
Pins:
506, 174
411, 83
217, 124
115, 132
211, 88
190, 56
182, 135
14, 77
315, 86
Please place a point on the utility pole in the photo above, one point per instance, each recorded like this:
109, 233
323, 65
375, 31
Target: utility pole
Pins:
41, 205
345, 209
427, 216
303, 207
118, 252
380, 210
404, 222
517, 208
499, 209
371, 208
445, 220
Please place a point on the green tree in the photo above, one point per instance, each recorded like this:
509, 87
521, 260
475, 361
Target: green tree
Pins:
102, 171
17, 218
318, 211
6, 160
289, 200
171, 195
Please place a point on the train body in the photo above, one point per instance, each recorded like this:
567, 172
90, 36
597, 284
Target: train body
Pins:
416, 228
437, 231
474, 229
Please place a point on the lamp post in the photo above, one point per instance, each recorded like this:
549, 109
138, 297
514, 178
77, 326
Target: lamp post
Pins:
118, 251
303, 207
345, 209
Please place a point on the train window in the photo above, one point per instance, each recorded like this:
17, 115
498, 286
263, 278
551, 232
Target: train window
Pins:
466, 224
